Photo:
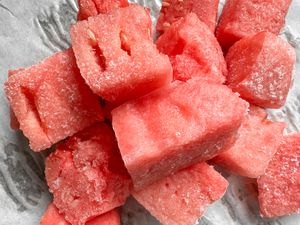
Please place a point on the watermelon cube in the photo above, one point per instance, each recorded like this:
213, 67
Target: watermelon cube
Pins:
183, 197
88, 8
257, 143
175, 127
51, 100
242, 18
260, 68
193, 50
173, 10
116, 55
87, 176
279, 187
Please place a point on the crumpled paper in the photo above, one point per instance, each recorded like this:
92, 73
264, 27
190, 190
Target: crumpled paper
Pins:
30, 30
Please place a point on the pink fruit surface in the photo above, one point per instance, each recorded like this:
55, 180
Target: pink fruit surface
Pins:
116, 55
260, 68
242, 18
183, 197
279, 187
87, 176
173, 10
257, 143
193, 50
51, 100
175, 127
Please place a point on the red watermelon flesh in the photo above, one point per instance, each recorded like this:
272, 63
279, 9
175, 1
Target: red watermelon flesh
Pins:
52, 217
260, 68
242, 18
257, 143
173, 10
117, 57
88, 8
51, 100
193, 50
279, 186
183, 197
175, 127
87, 176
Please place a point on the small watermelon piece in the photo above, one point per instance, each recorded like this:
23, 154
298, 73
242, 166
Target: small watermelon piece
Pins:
279, 187
88, 8
242, 18
51, 100
52, 217
173, 10
260, 68
116, 54
193, 50
175, 127
87, 176
257, 143
183, 197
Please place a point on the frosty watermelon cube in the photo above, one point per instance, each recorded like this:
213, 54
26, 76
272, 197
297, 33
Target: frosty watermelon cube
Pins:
116, 55
88, 8
182, 198
87, 176
175, 127
242, 18
279, 187
257, 143
51, 100
193, 50
173, 10
260, 68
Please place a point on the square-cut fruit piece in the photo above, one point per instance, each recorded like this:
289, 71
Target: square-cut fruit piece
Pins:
88, 8
51, 100
173, 10
183, 197
257, 143
242, 18
279, 187
193, 50
175, 127
87, 175
116, 55
260, 68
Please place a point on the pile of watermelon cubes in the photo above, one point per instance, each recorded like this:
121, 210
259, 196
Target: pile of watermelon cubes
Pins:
130, 116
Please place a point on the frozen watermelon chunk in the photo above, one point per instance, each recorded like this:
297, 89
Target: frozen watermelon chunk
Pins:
279, 187
116, 55
257, 143
260, 68
51, 100
175, 127
52, 217
173, 10
88, 8
87, 176
193, 50
242, 18
182, 198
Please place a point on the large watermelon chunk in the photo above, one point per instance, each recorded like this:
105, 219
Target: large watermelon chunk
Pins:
51, 100
173, 10
260, 68
88, 8
193, 50
242, 18
279, 187
175, 127
116, 55
183, 197
87, 176
257, 143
